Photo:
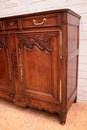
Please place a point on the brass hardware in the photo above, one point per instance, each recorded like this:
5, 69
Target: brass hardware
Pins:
20, 65
43, 21
11, 23
60, 51
9, 69
60, 91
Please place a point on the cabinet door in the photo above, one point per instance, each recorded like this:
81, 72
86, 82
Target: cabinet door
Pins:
38, 56
5, 64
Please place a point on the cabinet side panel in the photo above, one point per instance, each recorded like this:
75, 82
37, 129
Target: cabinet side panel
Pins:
72, 65
71, 77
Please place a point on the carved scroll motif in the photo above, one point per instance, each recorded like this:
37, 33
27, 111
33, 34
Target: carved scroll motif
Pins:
42, 44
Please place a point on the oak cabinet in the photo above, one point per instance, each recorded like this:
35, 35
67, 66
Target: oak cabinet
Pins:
39, 60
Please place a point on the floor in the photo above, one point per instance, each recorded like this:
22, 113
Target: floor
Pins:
17, 118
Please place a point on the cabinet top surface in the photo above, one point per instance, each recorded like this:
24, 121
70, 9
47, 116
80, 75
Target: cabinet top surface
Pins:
44, 13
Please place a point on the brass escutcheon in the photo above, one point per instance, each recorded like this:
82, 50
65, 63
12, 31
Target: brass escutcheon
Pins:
11, 23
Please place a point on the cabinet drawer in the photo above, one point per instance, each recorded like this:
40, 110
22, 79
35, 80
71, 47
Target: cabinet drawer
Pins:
40, 21
12, 24
1, 28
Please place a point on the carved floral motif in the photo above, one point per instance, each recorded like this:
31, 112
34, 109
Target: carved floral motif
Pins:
2, 45
21, 101
42, 44
14, 65
2, 42
6, 96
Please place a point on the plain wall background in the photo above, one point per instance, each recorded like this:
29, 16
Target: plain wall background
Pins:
17, 7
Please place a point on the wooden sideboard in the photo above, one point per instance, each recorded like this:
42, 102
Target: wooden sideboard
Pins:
39, 60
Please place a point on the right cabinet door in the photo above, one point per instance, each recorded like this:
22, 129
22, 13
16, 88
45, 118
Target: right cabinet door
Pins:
38, 58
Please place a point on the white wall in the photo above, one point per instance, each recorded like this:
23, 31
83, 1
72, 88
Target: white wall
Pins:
14, 7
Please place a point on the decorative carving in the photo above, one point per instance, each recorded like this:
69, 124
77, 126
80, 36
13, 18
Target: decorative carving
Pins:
6, 96
1, 45
43, 106
2, 42
41, 44
9, 68
14, 65
21, 101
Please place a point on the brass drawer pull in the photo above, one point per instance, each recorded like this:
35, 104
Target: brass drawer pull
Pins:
11, 23
43, 21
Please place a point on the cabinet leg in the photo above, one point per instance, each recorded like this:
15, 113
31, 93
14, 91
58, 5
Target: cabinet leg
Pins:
63, 118
75, 100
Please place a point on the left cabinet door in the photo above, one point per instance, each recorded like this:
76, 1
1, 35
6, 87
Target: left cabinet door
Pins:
6, 83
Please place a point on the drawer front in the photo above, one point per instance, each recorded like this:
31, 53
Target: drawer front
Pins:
40, 21
12, 24
1, 28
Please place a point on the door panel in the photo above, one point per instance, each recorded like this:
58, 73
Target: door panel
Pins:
39, 71
5, 63
38, 64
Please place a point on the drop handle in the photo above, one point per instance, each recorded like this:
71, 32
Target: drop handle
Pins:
35, 23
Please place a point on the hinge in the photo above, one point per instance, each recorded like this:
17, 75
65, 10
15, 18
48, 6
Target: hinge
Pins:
60, 49
60, 91
20, 65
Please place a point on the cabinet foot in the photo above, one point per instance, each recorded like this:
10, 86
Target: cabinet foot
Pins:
63, 118
75, 100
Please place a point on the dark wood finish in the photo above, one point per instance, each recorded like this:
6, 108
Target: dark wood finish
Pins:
39, 60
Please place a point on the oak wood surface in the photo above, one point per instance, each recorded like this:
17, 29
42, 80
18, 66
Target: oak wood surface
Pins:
39, 60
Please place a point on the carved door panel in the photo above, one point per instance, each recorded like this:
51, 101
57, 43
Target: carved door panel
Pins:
5, 63
38, 55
